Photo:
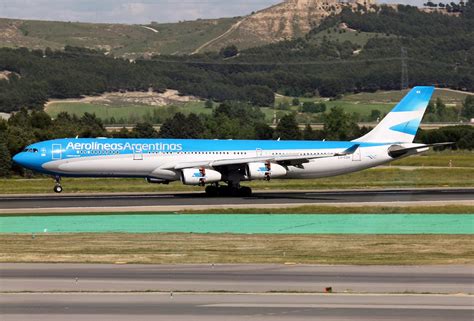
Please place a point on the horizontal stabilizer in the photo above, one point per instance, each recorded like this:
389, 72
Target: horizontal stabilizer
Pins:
351, 150
396, 151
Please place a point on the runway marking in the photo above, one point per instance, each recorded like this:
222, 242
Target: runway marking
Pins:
338, 305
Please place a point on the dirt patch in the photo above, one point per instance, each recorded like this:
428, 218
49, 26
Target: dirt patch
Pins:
151, 98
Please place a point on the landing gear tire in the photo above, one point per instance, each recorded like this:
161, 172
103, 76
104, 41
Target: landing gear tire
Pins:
245, 191
226, 191
212, 190
57, 188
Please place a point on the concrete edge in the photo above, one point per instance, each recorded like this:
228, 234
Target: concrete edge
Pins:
175, 208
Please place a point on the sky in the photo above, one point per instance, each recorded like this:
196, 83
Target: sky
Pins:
136, 11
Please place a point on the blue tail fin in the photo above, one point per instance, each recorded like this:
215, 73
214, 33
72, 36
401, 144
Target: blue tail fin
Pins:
401, 124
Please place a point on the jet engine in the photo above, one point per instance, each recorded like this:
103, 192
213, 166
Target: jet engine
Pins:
265, 171
153, 180
199, 176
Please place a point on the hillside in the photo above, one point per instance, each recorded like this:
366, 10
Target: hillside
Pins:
287, 20
348, 52
128, 41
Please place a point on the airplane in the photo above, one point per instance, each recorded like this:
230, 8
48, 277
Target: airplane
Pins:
204, 162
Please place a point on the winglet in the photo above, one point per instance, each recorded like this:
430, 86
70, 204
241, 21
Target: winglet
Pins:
351, 150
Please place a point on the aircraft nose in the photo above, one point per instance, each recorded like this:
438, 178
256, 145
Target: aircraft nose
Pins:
19, 159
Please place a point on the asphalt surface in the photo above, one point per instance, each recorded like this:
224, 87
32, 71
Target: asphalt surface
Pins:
234, 292
161, 306
236, 277
259, 198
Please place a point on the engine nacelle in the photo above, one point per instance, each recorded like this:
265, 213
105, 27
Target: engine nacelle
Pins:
199, 176
153, 180
265, 170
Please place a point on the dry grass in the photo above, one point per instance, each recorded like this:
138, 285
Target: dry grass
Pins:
339, 209
304, 209
224, 248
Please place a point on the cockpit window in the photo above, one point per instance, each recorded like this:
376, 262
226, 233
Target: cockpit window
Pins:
30, 150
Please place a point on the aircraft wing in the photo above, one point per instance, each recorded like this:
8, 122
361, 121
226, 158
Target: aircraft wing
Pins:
295, 159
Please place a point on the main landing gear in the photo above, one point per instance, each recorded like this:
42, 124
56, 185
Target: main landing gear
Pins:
57, 187
229, 190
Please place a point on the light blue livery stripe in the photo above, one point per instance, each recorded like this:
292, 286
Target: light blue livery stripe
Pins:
416, 100
409, 127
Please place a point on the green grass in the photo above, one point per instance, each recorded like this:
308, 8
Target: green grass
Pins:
364, 103
373, 178
441, 159
362, 108
392, 97
131, 113
224, 248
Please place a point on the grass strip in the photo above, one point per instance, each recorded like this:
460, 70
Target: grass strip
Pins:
180, 248
306, 209
372, 178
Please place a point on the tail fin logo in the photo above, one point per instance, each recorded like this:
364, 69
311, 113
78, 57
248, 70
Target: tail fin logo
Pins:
409, 127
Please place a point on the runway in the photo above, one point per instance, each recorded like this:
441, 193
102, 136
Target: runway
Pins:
200, 200
236, 278
234, 292
161, 306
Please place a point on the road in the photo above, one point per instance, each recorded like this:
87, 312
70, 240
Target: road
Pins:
233, 292
197, 200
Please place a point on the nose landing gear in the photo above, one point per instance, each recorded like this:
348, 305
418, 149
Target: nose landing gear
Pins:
57, 187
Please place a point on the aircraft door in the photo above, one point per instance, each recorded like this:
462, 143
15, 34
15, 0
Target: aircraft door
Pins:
259, 152
137, 155
56, 151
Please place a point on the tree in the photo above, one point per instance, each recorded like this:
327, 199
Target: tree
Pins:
40, 119
263, 131
375, 115
209, 103
91, 126
338, 125
144, 130
467, 110
180, 126
174, 127
243, 113
195, 128
260, 95
295, 101
5, 160
312, 107
287, 128
229, 51
308, 133
440, 108
431, 109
